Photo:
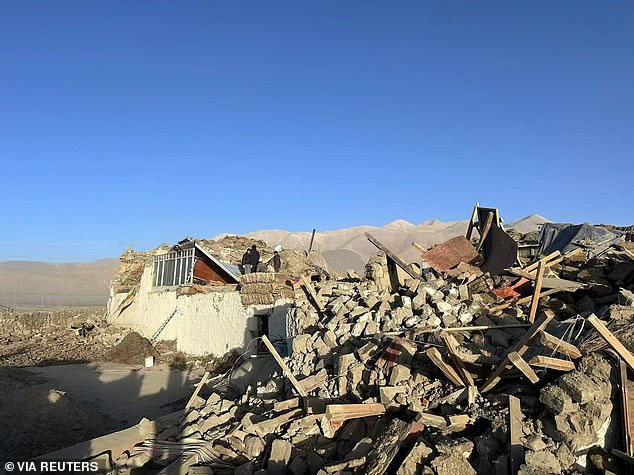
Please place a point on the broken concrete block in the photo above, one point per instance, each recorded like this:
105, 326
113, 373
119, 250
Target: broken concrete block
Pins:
452, 464
541, 462
556, 400
581, 387
399, 373
626, 298
280, 457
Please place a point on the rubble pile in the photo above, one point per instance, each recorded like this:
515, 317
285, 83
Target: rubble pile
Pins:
57, 337
442, 374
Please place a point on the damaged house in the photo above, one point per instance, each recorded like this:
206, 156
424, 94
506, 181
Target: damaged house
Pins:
188, 294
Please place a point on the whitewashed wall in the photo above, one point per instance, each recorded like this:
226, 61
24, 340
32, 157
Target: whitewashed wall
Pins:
205, 323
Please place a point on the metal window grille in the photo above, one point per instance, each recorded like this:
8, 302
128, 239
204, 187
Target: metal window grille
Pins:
174, 268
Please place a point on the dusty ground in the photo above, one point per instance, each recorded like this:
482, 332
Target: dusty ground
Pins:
59, 386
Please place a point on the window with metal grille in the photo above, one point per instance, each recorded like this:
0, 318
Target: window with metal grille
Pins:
174, 268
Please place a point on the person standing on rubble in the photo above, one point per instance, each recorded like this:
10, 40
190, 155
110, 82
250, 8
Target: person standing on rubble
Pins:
255, 258
245, 264
276, 261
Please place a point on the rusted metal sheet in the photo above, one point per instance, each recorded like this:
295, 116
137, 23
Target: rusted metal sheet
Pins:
519, 289
449, 254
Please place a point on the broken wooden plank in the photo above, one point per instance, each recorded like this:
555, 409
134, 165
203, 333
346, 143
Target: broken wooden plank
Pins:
552, 363
200, 385
397, 260
484, 232
312, 296
523, 300
298, 387
607, 335
337, 414
432, 420
523, 366
472, 392
536, 292
547, 259
434, 355
515, 431
520, 349
452, 345
625, 408
556, 344
474, 328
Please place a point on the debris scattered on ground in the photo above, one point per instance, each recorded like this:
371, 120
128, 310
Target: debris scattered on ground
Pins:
413, 370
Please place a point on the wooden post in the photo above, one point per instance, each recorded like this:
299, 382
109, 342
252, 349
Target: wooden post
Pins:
397, 260
515, 430
536, 292
485, 231
472, 221
200, 385
312, 239
452, 344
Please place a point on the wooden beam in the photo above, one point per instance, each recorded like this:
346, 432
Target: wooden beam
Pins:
558, 345
397, 260
485, 231
625, 408
523, 366
298, 387
546, 259
472, 392
344, 412
200, 385
312, 239
611, 340
452, 346
434, 355
312, 296
515, 431
475, 328
523, 300
552, 363
520, 349
536, 292
472, 221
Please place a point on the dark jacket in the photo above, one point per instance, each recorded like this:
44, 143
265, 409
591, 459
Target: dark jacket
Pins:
277, 262
255, 259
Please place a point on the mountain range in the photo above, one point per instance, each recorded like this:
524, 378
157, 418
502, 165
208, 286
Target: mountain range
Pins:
36, 284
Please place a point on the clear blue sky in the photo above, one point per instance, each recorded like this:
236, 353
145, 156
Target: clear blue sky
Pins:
149, 121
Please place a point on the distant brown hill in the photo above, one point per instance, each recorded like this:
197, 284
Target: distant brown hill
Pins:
86, 284
65, 284
348, 248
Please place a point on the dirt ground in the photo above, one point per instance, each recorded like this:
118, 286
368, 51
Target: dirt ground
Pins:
60, 385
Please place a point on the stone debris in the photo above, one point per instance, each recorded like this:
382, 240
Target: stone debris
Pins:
397, 375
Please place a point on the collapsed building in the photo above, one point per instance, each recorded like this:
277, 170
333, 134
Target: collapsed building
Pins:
476, 362
194, 293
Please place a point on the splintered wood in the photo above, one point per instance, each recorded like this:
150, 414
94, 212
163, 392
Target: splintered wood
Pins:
520, 349
287, 372
434, 355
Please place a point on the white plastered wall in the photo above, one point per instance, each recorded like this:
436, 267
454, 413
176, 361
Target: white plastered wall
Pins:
204, 323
